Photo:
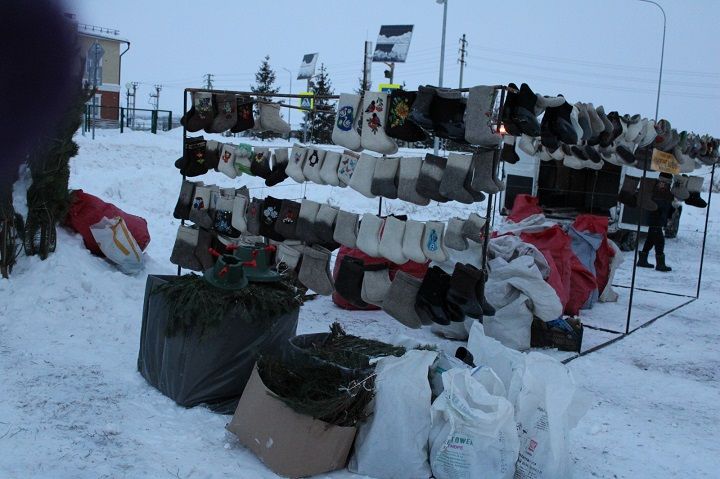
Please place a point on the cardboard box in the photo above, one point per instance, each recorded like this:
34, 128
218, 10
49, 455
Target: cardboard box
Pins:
291, 444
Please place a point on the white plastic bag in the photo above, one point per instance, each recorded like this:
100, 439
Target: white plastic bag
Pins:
118, 244
473, 432
393, 444
444, 362
511, 324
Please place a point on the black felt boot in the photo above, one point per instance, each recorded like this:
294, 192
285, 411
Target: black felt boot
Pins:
420, 110
431, 303
661, 266
523, 115
348, 283
480, 278
643, 260
463, 293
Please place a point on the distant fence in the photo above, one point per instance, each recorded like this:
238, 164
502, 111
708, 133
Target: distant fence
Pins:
137, 119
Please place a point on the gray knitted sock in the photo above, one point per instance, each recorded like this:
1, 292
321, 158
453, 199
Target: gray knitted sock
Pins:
474, 227
183, 253
452, 184
453, 235
400, 299
483, 178
325, 223
346, 228
409, 172
346, 168
313, 164
412, 241
294, 168
362, 177
432, 243
315, 270
478, 117
392, 239
254, 211
287, 258
368, 239
329, 169
431, 173
375, 286
384, 182
306, 221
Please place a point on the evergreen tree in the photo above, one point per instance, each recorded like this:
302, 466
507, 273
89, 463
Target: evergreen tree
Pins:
323, 119
363, 86
264, 83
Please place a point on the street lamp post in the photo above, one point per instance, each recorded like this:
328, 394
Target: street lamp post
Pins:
662, 55
436, 146
289, 109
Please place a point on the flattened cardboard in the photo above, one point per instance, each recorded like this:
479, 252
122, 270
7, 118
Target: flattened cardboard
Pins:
291, 444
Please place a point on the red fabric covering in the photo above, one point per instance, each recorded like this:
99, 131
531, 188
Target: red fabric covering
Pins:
524, 206
416, 269
87, 210
605, 254
572, 282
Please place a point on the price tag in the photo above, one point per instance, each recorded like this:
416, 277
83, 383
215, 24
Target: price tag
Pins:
664, 162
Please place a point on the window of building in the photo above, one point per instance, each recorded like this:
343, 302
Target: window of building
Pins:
93, 64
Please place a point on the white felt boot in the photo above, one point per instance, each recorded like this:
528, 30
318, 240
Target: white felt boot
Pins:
294, 168
238, 213
362, 177
412, 241
392, 240
432, 243
368, 240
373, 138
313, 163
329, 169
344, 132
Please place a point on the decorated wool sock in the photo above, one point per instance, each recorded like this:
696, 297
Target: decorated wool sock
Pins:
226, 113
474, 227
325, 226
452, 184
400, 299
431, 173
478, 117
344, 133
392, 240
409, 172
239, 210
376, 284
483, 178
223, 217
268, 218
244, 114
199, 214
253, 216
183, 253
384, 182
368, 239
679, 188
193, 161
244, 156
202, 249
412, 241
454, 236
261, 162
361, 180
346, 229
349, 280
202, 113
226, 163
313, 164
346, 167
270, 118
306, 220
432, 242
315, 270
329, 169
185, 200
508, 153
373, 135
398, 124
286, 224
287, 258
295, 164
279, 163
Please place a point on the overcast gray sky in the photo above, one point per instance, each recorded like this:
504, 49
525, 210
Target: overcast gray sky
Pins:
601, 51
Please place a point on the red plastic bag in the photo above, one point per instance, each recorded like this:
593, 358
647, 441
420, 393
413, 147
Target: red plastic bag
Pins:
524, 206
87, 210
605, 254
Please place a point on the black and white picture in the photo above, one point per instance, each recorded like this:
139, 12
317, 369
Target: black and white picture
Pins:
393, 43
307, 67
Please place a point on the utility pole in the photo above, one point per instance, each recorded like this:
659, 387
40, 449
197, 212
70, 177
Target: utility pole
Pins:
209, 81
155, 97
461, 60
130, 105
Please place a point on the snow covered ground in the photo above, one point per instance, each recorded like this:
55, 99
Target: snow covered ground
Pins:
72, 404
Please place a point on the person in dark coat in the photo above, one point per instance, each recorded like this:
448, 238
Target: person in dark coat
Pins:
656, 222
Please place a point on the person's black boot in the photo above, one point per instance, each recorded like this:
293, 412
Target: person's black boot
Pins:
643, 260
661, 266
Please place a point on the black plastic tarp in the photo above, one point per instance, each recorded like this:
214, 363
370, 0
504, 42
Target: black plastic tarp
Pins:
212, 369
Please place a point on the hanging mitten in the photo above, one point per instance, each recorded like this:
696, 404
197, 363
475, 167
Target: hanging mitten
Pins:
346, 167
452, 184
270, 118
244, 113
432, 243
185, 200
362, 177
398, 125
313, 164
384, 181
412, 241
201, 114
315, 270
400, 300
286, 223
431, 173
225, 114
392, 240
329, 169
484, 171
368, 239
279, 164
295, 164
373, 136
346, 228
306, 220
479, 128
376, 284
344, 133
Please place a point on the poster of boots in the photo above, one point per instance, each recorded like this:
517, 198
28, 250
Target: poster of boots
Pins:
393, 43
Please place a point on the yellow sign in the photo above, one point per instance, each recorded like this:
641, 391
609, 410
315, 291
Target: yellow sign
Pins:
388, 87
665, 162
308, 102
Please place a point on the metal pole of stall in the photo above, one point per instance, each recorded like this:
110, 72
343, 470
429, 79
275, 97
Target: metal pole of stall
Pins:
637, 249
707, 218
184, 135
